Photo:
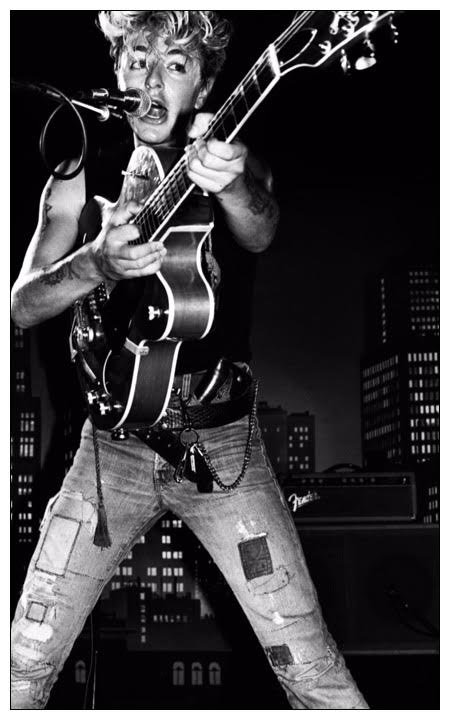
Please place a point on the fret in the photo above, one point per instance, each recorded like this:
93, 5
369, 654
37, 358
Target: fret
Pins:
242, 101
256, 81
266, 74
231, 116
223, 127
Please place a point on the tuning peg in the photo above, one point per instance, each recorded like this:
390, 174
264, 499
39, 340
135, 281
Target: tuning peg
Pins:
367, 59
371, 15
345, 62
325, 47
394, 30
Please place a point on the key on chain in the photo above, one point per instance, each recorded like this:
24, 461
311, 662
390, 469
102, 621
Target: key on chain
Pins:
188, 438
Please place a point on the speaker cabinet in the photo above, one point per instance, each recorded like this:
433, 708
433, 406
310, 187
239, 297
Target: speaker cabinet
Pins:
378, 585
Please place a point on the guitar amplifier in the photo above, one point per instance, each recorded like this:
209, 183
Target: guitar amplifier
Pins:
351, 497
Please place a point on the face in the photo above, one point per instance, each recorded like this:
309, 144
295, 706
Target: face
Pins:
173, 81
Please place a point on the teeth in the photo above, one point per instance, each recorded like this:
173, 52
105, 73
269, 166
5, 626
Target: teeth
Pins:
157, 110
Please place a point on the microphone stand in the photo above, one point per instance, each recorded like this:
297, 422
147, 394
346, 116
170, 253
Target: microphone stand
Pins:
103, 113
48, 91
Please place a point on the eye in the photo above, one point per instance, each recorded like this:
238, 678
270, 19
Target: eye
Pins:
177, 67
137, 64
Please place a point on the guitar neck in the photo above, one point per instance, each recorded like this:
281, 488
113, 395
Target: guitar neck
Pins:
224, 126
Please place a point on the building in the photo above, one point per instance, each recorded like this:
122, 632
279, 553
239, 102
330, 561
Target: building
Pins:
273, 424
25, 456
301, 443
400, 369
289, 439
428, 480
168, 564
402, 303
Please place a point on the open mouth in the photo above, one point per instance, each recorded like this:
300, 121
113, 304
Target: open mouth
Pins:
157, 112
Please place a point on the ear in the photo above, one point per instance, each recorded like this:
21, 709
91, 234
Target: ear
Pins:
203, 93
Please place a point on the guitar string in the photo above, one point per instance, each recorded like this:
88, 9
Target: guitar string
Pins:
157, 200
158, 204
177, 171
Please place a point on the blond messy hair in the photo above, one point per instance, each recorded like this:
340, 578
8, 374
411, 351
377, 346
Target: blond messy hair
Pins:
201, 33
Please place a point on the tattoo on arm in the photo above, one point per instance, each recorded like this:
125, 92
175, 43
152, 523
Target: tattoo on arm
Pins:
46, 207
57, 276
260, 200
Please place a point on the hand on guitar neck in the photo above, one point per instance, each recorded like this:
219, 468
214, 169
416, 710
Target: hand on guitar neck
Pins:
114, 255
240, 183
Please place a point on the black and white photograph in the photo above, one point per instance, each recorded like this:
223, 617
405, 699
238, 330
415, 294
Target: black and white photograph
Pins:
225, 359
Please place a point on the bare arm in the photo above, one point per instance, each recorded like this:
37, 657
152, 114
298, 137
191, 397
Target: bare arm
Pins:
251, 210
242, 185
54, 275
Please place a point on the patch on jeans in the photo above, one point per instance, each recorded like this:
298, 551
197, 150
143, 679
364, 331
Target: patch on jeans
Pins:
36, 611
57, 545
279, 655
255, 557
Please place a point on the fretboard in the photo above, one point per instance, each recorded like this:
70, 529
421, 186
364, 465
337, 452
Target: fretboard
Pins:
225, 124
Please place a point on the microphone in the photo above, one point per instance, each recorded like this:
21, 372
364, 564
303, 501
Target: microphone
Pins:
133, 101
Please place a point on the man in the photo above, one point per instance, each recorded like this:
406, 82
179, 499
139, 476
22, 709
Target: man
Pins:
243, 520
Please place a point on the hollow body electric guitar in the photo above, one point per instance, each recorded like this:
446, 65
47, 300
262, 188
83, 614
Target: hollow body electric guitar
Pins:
125, 338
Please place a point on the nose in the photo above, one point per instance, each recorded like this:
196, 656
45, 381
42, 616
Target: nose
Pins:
154, 77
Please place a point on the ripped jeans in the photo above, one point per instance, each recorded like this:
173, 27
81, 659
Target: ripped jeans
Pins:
249, 533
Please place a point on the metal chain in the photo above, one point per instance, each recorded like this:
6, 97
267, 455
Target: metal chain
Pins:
247, 453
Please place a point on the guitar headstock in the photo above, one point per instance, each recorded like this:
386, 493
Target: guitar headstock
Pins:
316, 38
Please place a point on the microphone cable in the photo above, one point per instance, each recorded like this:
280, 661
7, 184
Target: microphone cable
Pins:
42, 140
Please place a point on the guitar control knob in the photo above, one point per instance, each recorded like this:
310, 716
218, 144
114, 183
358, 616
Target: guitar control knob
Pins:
154, 312
104, 408
92, 397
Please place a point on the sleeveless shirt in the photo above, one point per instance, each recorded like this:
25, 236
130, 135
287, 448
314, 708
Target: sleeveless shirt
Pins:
230, 333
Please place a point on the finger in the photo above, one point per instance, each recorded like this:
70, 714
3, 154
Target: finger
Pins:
219, 170
136, 253
200, 124
123, 235
208, 183
208, 161
125, 213
146, 269
226, 151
